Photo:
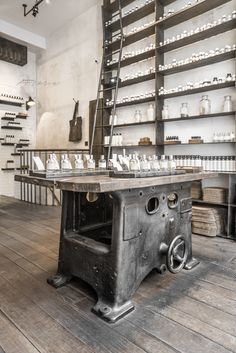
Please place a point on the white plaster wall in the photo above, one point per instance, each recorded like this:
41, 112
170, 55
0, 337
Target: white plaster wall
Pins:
11, 77
67, 70
68, 66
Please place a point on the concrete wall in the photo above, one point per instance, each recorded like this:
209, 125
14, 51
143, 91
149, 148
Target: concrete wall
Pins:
11, 77
68, 67
67, 70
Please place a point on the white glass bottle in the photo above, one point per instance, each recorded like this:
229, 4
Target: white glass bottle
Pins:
171, 164
144, 164
184, 111
228, 104
133, 164
79, 163
163, 164
102, 164
150, 112
137, 116
50, 164
165, 112
205, 105
91, 163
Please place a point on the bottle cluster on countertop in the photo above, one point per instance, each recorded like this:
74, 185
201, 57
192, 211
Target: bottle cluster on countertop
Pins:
208, 163
11, 98
131, 162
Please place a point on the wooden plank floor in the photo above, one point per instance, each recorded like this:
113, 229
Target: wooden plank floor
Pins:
192, 312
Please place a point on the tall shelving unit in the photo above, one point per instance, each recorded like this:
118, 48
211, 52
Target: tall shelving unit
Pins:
157, 7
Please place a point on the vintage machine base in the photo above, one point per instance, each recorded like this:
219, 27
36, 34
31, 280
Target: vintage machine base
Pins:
114, 240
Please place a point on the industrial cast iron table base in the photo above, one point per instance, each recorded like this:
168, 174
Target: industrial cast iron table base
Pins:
113, 239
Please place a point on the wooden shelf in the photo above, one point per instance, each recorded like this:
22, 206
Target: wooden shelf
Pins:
11, 127
196, 37
21, 116
18, 145
8, 169
144, 100
16, 104
190, 12
134, 37
127, 125
130, 146
134, 59
194, 144
210, 203
114, 6
166, 2
198, 90
133, 17
139, 79
199, 63
16, 154
7, 118
195, 117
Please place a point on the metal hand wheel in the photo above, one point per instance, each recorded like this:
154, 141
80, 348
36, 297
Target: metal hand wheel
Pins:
177, 254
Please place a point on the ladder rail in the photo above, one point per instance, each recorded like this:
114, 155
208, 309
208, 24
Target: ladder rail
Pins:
117, 84
96, 108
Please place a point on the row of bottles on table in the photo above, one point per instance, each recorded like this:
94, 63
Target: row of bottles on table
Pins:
133, 162
204, 107
208, 163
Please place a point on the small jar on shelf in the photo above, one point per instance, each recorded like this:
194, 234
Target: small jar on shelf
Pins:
184, 111
205, 105
165, 112
228, 104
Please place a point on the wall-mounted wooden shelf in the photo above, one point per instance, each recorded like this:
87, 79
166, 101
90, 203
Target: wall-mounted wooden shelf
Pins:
7, 118
198, 90
204, 62
18, 145
16, 154
11, 127
114, 6
128, 124
140, 101
21, 116
193, 144
190, 12
196, 117
134, 59
8, 169
131, 146
210, 32
16, 104
139, 79
134, 16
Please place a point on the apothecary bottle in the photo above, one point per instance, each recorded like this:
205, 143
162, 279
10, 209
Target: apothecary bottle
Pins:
205, 105
79, 163
165, 112
137, 116
102, 164
150, 112
184, 112
91, 163
133, 164
228, 104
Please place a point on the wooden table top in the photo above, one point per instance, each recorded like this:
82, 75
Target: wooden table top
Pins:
108, 184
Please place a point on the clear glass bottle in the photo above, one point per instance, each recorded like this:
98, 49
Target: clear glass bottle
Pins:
137, 116
102, 164
184, 111
171, 164
150, 112
163, 164
50, 164
154, 164
79, 163
91, 163
228, 104
65, 162
144, 164
205, 105
165, 112
133, 164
